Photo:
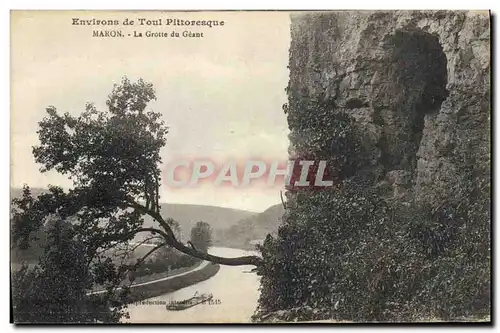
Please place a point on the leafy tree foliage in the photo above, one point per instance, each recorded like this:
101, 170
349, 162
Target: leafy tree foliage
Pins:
201, 236
113, 158
165, 260
56, 290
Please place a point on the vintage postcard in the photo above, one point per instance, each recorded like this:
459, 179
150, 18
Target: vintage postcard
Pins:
250, 167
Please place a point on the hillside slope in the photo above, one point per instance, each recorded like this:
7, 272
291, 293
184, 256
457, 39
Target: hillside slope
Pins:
249, 230
186, 214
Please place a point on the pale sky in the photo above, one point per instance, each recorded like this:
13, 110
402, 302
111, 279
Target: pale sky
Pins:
221, 95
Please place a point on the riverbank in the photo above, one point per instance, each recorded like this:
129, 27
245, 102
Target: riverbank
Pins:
144, 290
153, 276
235, 294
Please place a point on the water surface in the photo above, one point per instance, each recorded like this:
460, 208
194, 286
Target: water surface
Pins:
237, 292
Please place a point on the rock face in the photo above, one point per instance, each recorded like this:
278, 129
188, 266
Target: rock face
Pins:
417, 84
398, 105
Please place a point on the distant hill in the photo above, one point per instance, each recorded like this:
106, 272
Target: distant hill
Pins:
186, 214
16, 192
251, 229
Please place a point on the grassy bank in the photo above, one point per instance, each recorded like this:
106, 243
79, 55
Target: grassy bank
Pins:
155, 276
141, 292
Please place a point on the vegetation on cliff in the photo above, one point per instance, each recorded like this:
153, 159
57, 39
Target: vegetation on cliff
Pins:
354, 252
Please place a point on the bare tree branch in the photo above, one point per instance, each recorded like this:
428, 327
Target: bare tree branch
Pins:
144, 241
282, 201
238, 261
192, 245
133, 268
171, 240
141, 260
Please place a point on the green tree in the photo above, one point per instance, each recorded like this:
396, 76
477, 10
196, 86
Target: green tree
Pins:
113, 158
56, 290
201, 236
176, 227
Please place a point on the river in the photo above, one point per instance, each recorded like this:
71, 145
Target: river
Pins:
237, 291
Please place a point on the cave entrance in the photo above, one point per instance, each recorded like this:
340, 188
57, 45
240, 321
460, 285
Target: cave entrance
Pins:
417, 76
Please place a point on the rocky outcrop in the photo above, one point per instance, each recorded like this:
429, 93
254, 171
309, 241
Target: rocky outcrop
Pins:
398, 104
417, 84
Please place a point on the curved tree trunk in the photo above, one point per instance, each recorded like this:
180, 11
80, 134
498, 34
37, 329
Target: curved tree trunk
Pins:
171, 240
238, 261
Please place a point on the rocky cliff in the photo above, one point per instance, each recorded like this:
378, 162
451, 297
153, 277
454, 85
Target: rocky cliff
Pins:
398, 104
417, 83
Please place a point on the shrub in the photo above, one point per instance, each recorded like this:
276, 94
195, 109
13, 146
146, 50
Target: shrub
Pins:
164, 263
350, 253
